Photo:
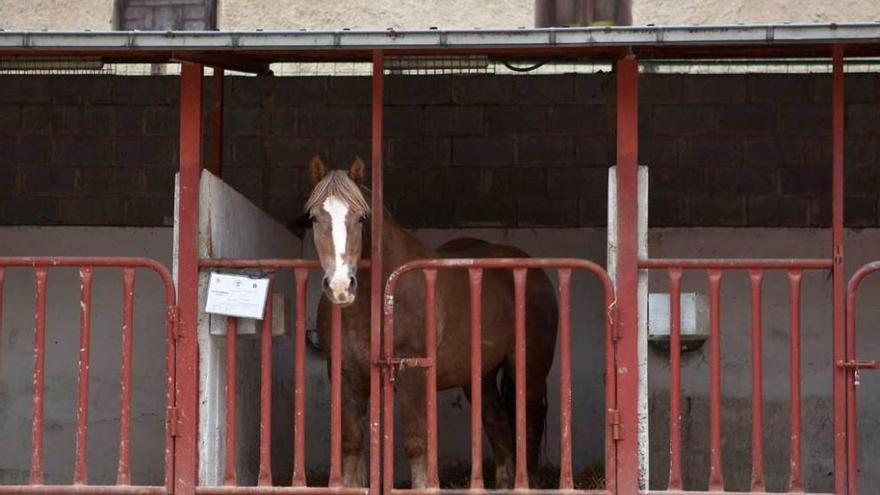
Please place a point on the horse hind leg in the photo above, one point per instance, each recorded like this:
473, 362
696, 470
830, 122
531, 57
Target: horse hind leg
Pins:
499, 428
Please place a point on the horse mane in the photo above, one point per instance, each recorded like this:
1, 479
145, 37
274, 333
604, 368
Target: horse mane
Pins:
337, 183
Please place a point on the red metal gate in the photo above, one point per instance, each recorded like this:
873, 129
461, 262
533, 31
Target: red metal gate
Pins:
86, 266
714, 269
301, 269
475, 268
853, 366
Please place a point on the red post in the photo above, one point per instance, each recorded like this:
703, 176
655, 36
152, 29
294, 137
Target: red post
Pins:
675, 379
376, 278
476, 290
756, 279
39, 378
716, 477
123, 471
335, 478
430, 275
627, 275
565, 465
264, 477
299, 381
186, 460
519, 283
838, 285
80, 469
229, 471
795, 483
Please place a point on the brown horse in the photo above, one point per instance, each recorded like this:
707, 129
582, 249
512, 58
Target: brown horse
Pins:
338, 210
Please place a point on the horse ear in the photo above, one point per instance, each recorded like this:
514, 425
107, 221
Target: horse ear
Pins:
356, 172
317, 170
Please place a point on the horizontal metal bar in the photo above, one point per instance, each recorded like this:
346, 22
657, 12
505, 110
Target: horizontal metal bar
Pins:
286, 490
265, 263
857, 364
732, 34
716, 492
738, 264
513, 491
78, 489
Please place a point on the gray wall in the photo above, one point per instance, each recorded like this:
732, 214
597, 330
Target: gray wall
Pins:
62, 343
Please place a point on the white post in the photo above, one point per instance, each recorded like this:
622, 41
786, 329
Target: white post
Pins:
642, 298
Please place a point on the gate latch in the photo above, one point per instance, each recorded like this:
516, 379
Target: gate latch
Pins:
858, 365
394, 365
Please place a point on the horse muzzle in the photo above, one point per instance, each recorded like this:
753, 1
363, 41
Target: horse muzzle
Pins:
340, 291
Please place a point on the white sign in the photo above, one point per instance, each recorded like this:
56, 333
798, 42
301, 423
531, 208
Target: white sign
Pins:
237, 295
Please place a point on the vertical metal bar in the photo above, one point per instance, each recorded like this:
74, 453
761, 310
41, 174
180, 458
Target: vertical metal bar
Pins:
335, 397
795, 483
387, 397
716, 478
431, 377
756, 279
264, 477
675, 379
376, 282
39, 370
229, 466
519, 282
80, 468
476, 292
851, 423
216, 166
838, 285
299, 381
565, 465
186, 350
627, 356
123, 471
2, 275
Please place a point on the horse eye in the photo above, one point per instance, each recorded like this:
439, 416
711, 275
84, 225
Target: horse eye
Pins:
362, 219
313, 219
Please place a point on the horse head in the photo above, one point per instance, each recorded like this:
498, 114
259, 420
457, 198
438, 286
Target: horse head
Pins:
338, 212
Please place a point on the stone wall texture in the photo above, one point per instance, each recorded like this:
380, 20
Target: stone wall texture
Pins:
460, 151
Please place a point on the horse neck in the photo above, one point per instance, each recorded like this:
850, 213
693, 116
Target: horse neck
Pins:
399, 245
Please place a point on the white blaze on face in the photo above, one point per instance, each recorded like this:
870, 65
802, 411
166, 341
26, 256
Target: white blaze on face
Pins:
340, 278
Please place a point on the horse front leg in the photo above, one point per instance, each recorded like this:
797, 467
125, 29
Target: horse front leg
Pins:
411, 397
354, 410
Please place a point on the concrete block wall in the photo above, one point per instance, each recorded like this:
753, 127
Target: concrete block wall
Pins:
463, 151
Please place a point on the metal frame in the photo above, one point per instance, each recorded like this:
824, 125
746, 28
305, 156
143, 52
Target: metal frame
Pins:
253, 51
86, 265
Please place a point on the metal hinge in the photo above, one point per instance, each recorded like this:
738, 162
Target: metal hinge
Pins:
614, 423
172, 420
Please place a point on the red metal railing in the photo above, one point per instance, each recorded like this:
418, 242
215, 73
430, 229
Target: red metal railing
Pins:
714, 269
853, 365
86, 267
475, 269
301, 269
